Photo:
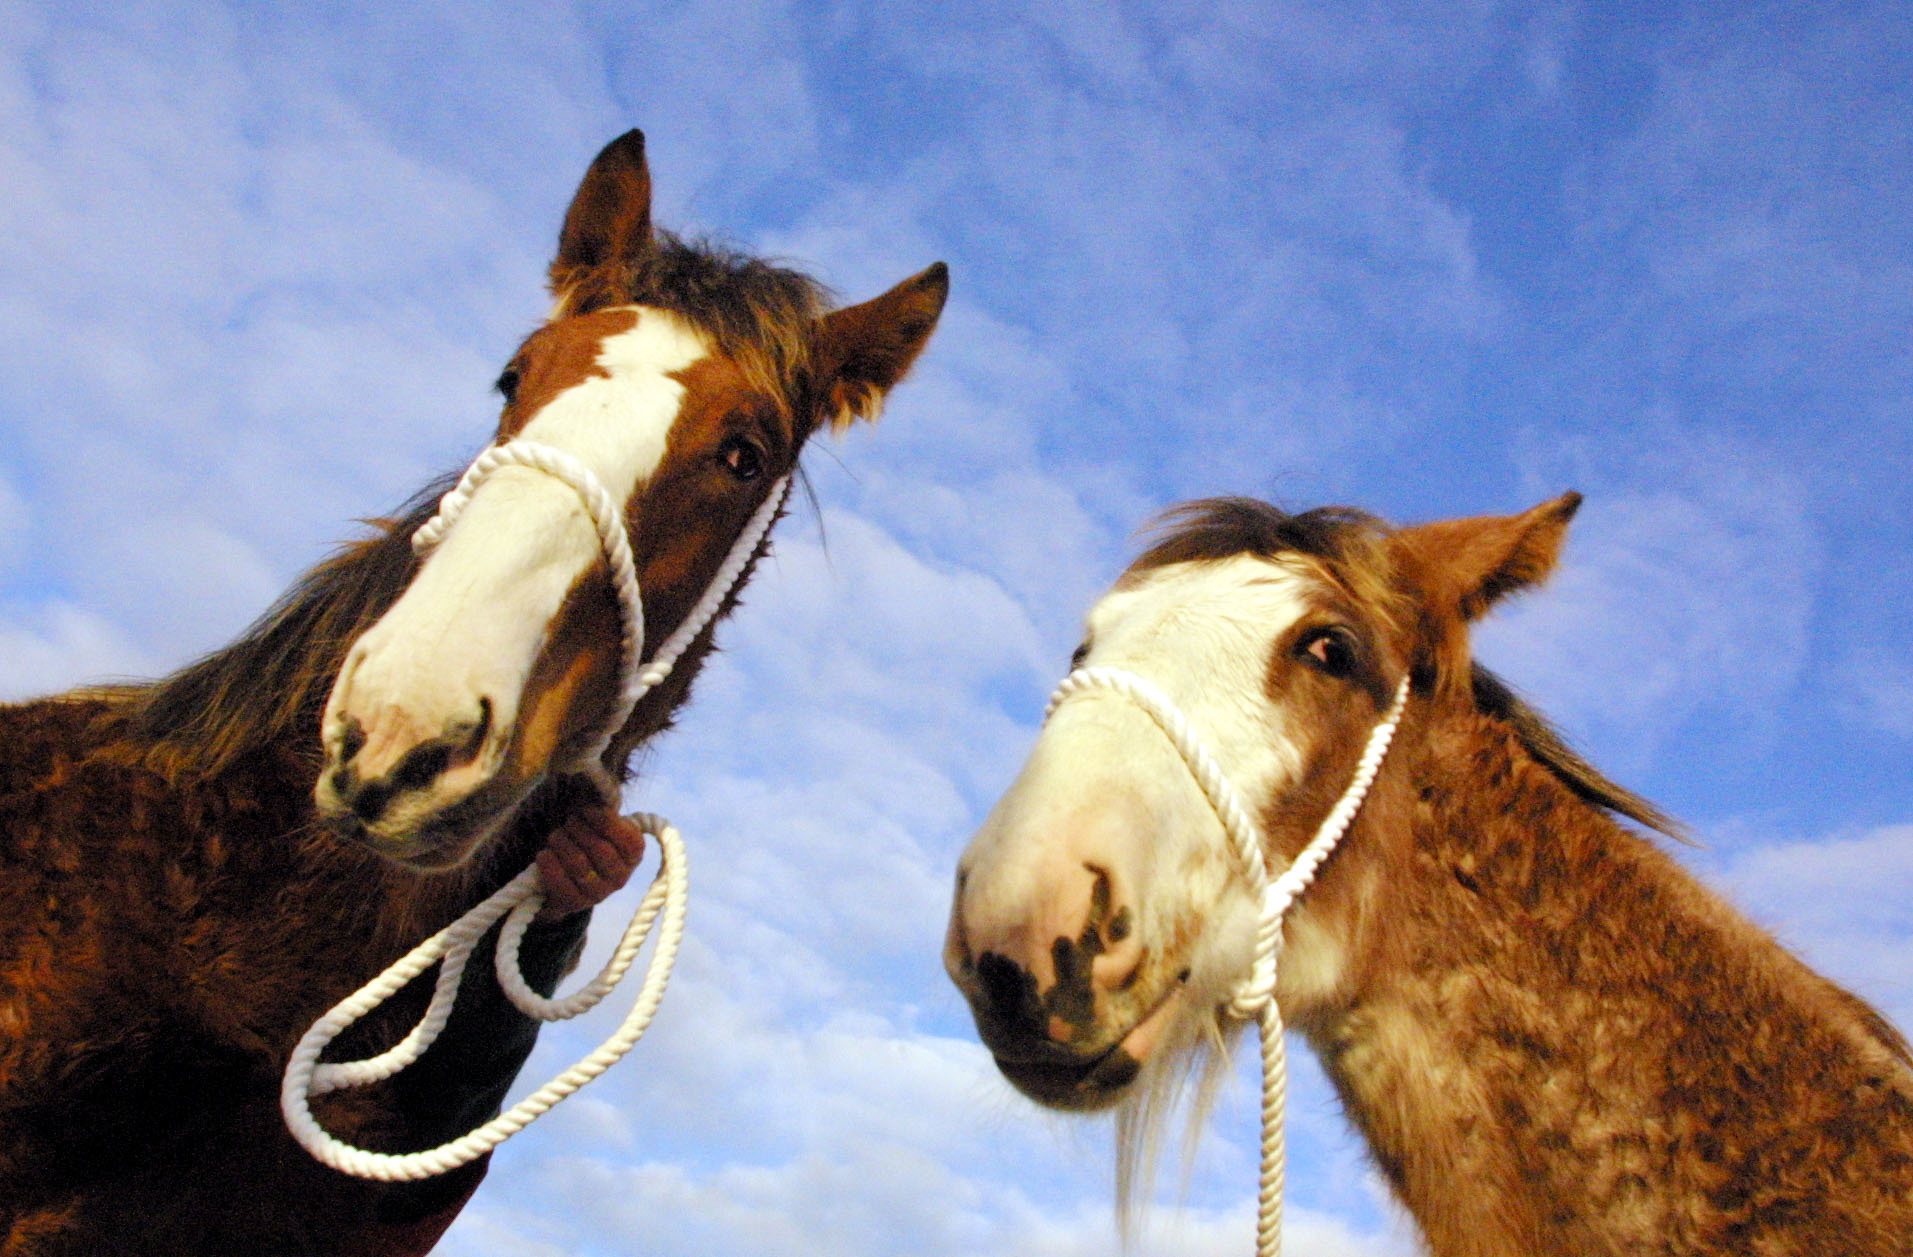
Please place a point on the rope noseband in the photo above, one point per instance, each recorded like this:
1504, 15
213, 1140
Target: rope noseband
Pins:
1254, 995
519, 899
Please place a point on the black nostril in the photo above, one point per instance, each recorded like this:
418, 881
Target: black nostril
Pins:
352, 740
371, 800
1010, 990
1107, 924
480, 731
343, 780
421, 766
1098, 900
1073, 998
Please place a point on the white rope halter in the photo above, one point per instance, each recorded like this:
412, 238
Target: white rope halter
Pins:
519, 899
1254, 996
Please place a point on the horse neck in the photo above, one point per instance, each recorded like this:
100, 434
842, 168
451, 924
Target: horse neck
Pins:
265, 691
240, 728
1556, 1041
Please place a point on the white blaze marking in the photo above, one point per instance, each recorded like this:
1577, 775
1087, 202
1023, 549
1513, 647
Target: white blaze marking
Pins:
617, 423
1203, 632
1104, 787
474, 620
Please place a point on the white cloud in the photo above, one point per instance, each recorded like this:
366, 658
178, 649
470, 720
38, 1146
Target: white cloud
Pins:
55, 646
1845, 901
1546, 39
227, 332
724, 134
815, 1205
953, 1177
1716, 196
861, 657
15, 527
1876, 691
1687, 587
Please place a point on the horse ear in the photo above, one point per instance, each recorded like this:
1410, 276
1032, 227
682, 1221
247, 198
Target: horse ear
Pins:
610, 217
863, 350
1469, 564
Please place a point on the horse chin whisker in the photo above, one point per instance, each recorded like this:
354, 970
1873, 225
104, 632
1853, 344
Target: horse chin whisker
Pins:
1184, 1074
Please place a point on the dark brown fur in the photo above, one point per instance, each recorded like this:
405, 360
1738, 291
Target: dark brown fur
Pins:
173, 917
165, 935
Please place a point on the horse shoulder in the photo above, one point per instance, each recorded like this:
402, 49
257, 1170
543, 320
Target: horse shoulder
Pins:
128, 924
1622, 1012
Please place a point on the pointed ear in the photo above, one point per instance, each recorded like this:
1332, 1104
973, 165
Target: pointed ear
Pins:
610, 217
862, 350
1469, 564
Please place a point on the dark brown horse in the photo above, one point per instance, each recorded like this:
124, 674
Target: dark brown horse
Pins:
1554, 1039
191, 871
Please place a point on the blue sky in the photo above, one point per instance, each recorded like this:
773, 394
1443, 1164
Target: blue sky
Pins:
258, 268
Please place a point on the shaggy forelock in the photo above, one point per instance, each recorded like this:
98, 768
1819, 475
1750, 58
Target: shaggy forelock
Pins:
1348, 547
756, 313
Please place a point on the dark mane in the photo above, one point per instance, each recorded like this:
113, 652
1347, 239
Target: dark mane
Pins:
756, 313
1495, 698
1351, 547
274, 679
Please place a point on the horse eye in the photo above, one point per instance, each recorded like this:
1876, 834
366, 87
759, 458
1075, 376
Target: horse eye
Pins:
507, 385
1330, 650
1076, 660
741, 458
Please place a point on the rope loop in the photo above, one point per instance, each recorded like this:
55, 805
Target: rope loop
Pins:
1253, 998
518, 900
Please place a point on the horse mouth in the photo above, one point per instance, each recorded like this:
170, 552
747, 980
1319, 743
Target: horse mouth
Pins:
1084, 1083
430, 844
425, 859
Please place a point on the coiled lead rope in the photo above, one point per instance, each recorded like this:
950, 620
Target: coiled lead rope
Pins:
519, 899
1254, 996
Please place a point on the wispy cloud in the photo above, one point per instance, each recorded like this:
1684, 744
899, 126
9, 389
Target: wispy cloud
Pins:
1687, 589
1876, 691
1844, 900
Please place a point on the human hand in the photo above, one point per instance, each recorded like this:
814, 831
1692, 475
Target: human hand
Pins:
586, 860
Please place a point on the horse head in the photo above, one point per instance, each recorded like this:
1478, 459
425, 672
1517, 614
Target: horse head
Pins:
1102, 921
686, 380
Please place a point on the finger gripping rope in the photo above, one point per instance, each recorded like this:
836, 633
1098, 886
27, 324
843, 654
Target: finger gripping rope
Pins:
518, 901
1254, 996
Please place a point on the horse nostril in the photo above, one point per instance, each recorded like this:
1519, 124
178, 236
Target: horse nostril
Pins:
421, 766
371, 799
1107, 925
1009, 990
1114, 958
480, 731
1098, 901
351, 740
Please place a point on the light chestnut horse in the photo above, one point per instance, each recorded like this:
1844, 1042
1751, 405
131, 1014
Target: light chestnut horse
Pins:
193, 870
1552, 1037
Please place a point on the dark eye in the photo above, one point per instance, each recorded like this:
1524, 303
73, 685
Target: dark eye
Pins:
1330, 650
741, 458
1076, 660
507, 385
